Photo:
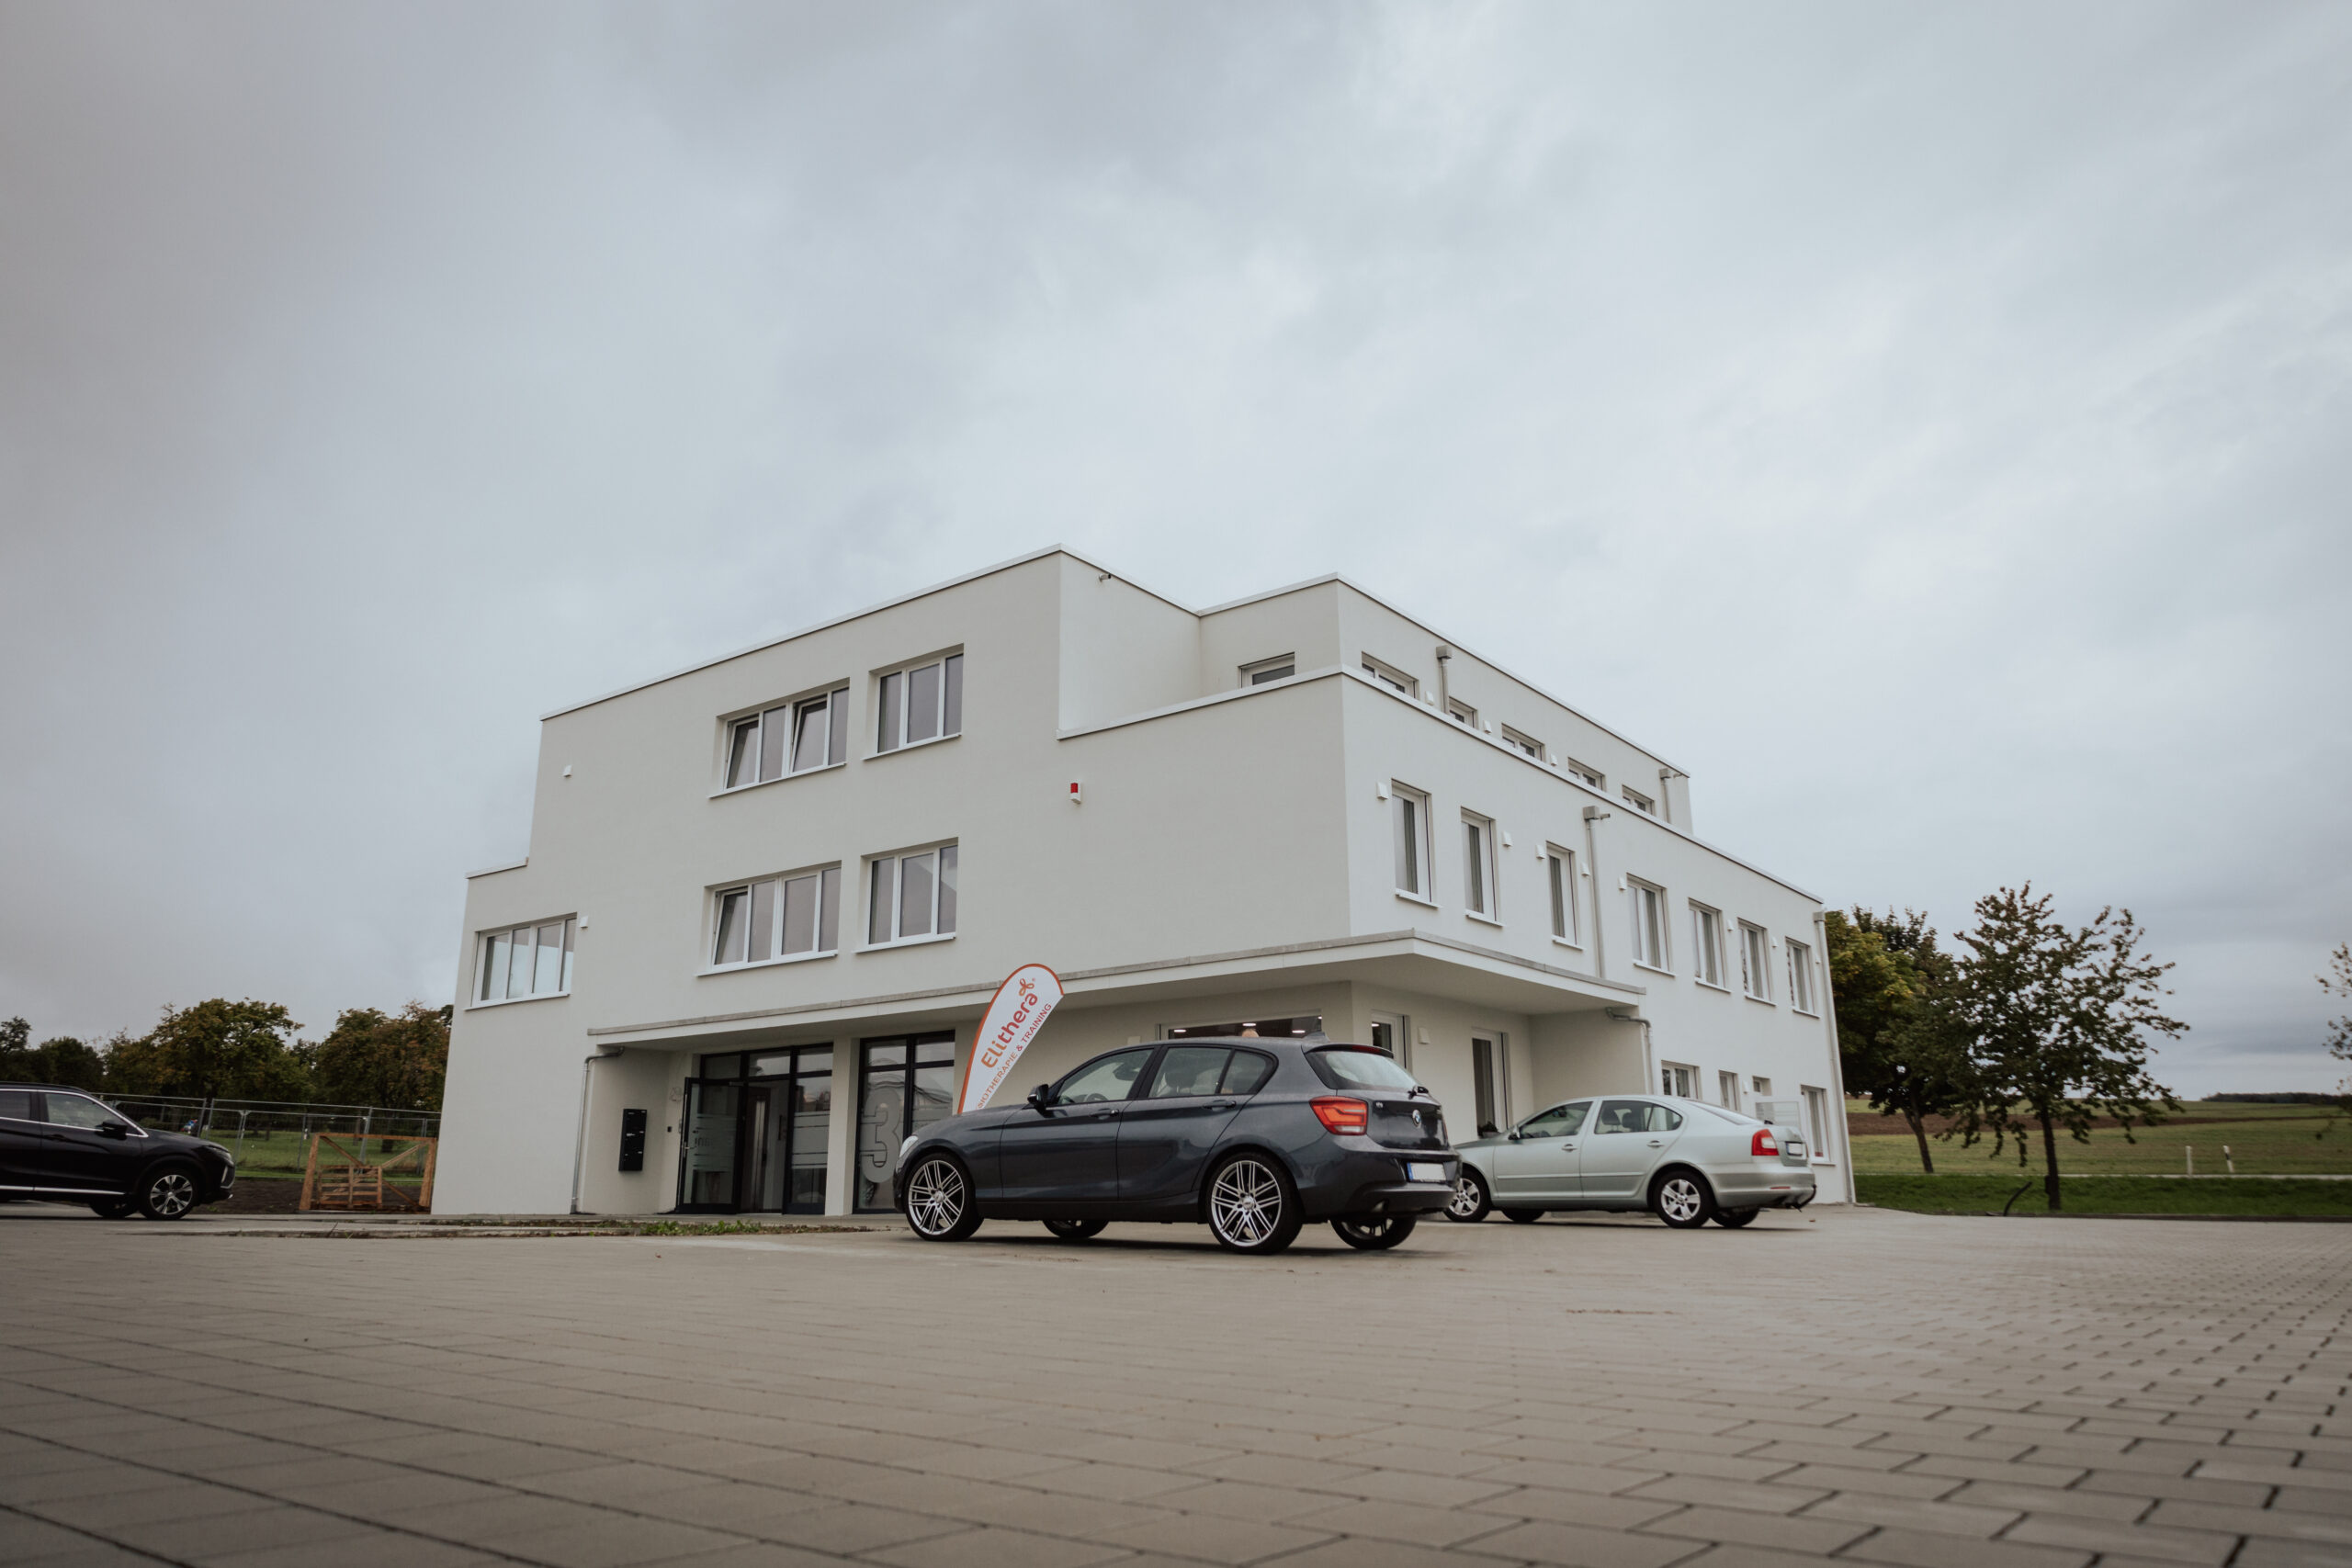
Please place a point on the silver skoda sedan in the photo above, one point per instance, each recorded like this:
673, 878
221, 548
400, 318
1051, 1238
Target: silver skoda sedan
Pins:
1684, 1161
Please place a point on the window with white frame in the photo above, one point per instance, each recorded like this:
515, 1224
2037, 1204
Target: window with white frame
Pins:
1677, 1081
1800, 975
797, 916
1409, 818
1388, 675
1761, 1085
1526, 745
1479, 865
1816, 1118
791, 737
1265, 669
1637, 800
1560, 874
911, 895
525, 961
922, 702
1707, 939
1728, 1087
1755, 966
1588, 777
1648, 909
1462, 713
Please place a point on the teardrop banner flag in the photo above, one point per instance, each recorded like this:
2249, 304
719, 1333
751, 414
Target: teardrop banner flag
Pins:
1028, 994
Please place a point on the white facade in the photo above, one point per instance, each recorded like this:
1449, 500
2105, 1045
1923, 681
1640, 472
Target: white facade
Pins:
1140, 798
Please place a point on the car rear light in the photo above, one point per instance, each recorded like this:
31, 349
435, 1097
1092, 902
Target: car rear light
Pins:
1764, 1142
1339, 1114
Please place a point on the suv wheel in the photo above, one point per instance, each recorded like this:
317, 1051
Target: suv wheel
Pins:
1374, 1233
1682, 1201
1076, 1230
168, 1193
1252, 1206
939, 1200
1471, 1202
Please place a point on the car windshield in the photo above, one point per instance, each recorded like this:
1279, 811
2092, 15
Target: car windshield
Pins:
1360, 1066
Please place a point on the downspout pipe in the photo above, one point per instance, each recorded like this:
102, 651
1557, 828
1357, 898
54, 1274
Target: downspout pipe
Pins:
580, 1139
1593, 814
1836, 1055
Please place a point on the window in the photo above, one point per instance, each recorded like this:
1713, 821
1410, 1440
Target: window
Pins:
1707, 933
1637, 800
1560, 872
904, 1085
783, 916
791, 737
1266, 669
1648, 909
1816, 1123
1588, 777
80, 1110
1396, 679
1461, 713
1677, 1081
1410, 811
1479, 865
912, 895
924, 702
1560, 1121
1525, 745
1727, 1089
1755, 977
1388, 1034
1635, 1116
1103, 1081
1188, 1070
1761, 1085
1251, 1029
526, 961
1491, 1082
1800, 976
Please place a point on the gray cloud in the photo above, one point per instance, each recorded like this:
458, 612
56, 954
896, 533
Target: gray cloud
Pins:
1925, 425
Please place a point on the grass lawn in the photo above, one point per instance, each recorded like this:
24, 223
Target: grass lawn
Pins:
1979, 1192
2265, 1140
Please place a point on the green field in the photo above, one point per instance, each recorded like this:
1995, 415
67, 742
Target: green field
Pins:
284, 1154
1978, 1193
2264, 1140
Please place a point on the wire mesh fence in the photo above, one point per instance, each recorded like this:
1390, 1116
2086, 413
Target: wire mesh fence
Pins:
273, 1137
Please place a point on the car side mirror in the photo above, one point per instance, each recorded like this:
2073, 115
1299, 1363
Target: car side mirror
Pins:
113, 1130
1514, 1134
1038, 1096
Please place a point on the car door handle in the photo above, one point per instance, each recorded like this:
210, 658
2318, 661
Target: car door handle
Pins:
1224, 1104
1657, 1143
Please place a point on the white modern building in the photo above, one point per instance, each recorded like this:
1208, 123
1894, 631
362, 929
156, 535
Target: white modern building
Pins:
768, 897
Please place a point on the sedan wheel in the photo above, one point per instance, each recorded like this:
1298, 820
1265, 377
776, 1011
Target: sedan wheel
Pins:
1076, 1230
169, 1194
1252, 1207
1523, 1216
1732, 1218
1374, 1233
1683, 1199
939, 1202
1469, 1202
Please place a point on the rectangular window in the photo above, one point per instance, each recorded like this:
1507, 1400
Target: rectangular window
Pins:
1462, 713
1560, 872
904, 1085
1479, 865
1817, 1124
525, 961
1411, 812
1754, 975
1637, 800
1388, 675
923, 703
1266, 669
912, 895
1588, 777
1728, 1088
1800, 976
1525, 744
1677, 1081
1648, 909
1707, 937
1761, 1085
792, 738
778, 916
1485, 1084
1388, 1034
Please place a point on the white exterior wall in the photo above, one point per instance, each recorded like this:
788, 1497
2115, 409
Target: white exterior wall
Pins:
1231, 859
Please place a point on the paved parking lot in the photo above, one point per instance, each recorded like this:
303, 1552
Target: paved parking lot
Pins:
1860, 1386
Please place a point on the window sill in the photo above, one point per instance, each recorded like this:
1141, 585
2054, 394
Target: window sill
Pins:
1654, 969
780, 778
1484, 919
1714, 986
1803, 1012
1417, 898
907, 941
767, 963
1766, 1001
1571, 946
914, 746
510, 1001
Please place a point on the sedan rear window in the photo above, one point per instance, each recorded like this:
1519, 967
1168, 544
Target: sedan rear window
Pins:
1360, 1066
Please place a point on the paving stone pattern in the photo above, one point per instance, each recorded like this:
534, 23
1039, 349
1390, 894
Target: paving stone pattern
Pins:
1855, 1386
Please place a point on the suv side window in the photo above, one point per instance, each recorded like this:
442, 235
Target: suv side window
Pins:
1113, 1078
73, 1110
17, 1105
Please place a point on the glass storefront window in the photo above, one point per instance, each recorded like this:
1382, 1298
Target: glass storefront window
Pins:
904, 1085
713, 1114
759, 1144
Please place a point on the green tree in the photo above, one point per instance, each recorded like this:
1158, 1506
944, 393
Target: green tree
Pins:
214, 1049
397, 1060
2057, 1024
1885, 972
62, 1060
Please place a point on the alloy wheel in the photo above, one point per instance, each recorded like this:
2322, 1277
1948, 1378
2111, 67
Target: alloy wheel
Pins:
936, 1199
1468, 1203
171, 1195
1680, 1203
1246, 1205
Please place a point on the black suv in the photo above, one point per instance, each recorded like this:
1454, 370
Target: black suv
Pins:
1251, 1137
61, 1145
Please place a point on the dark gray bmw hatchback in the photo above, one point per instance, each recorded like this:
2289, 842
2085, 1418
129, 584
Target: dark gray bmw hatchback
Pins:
1251, 1137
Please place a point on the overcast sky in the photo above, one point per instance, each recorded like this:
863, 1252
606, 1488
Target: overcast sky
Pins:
1930, 426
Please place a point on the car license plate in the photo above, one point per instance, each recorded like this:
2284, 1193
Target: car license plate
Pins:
1424, 1170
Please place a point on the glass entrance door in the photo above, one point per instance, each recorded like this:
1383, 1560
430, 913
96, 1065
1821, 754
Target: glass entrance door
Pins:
791, 1129
906, 1084
714, 1118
